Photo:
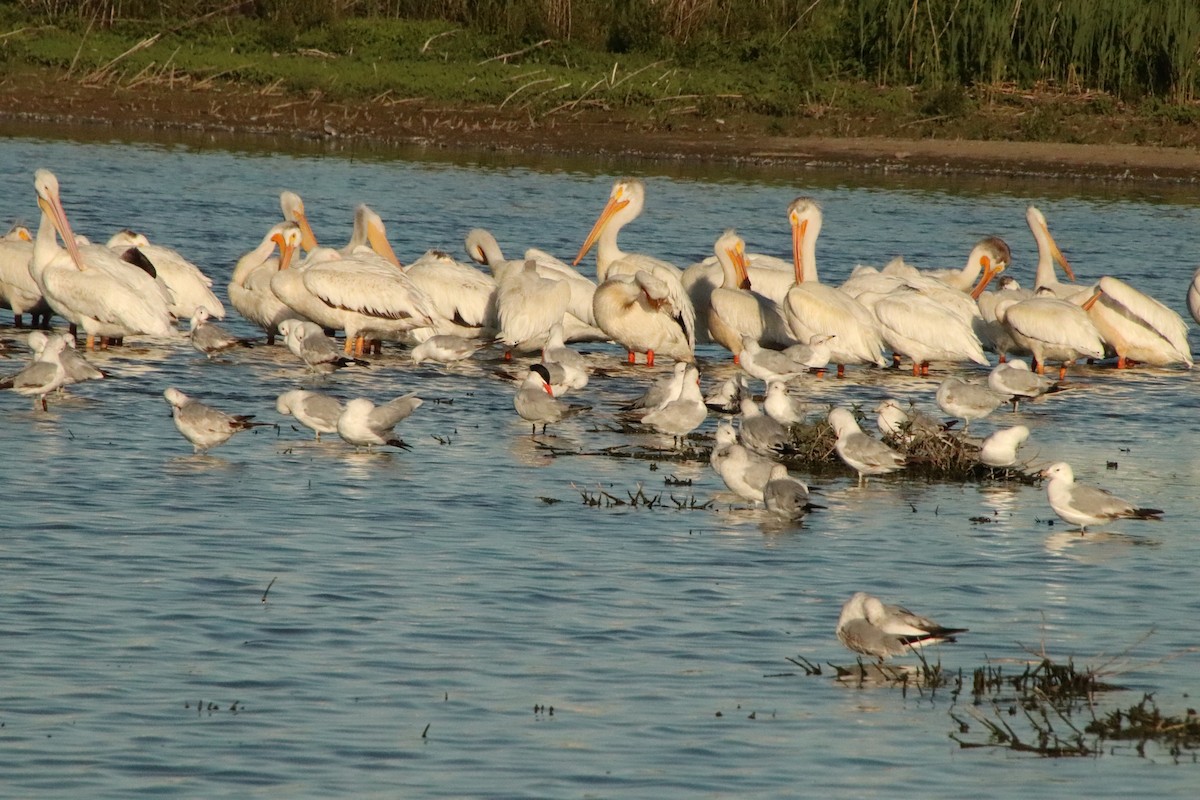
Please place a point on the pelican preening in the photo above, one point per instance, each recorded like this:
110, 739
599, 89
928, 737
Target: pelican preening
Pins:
640, 301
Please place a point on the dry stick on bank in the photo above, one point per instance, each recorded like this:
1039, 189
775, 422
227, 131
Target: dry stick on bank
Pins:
506, 56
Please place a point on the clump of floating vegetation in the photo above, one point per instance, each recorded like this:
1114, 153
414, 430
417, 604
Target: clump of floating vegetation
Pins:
600, 498
1037, 711
924, 677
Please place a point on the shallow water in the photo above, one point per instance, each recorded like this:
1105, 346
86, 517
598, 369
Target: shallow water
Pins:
288, 618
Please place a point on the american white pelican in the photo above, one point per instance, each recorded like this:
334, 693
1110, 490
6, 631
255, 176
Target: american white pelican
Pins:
966, 400
1139, 328
366, 297
1193, 296
869, 626
579, 323
18, 290
993, 333
813, 309
528, 305
860, 452
735, 310
785, 496
99, 293
769, 276
1000, 448
250, 285
683, 413
309, 343
1053, 329
42, 376
364, 424
204, 426
317, 412
189, 287
1048, 255
1087, 505
461, 298
535, 403
639, 286
210, 338
915, 326
639, 314
990, 252
745, 473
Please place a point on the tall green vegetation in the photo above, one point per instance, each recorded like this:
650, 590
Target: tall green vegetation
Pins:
1131, 48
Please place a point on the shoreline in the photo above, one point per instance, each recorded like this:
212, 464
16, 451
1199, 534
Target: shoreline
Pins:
38, 99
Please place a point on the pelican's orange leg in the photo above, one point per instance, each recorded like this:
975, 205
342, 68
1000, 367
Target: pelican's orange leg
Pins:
649, 358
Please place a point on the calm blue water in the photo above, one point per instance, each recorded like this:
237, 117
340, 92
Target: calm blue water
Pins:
424, 603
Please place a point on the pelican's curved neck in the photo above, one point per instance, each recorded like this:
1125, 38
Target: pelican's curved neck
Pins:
45, 247
251, 261
1045, 274
607, 250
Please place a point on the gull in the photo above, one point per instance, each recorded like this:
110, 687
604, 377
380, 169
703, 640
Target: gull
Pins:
781, 406
1015, 379
869, 626
316, 411
745, 473
727, 398
816, 354
1087, 505
785, 496
864, 455
761, 433
535, 401
364, 424
1000, 449
768, 365
210, 338
445, 348
893, 421
659, 391
78, 368
42, 376
314, 348
682, 414
204, 426
967, 401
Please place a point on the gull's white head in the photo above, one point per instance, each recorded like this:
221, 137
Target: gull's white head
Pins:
176, 398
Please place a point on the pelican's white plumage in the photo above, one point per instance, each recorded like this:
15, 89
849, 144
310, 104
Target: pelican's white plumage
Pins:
18, 290
100, 293
189, 286
1138, 327
1053, 329
813, 309
528, 306
735, 310
250, 285
1193, 296
639, 287
460, 297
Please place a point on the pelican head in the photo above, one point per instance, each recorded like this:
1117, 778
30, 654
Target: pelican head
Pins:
288, 237
804, 215
625, 203
49, 201
483, 248
1041, 232
730, 248
293, 210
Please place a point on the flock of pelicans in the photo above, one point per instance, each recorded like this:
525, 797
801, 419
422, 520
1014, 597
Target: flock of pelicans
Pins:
775, 316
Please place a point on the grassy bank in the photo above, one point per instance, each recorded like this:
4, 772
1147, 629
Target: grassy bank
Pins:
1083, 71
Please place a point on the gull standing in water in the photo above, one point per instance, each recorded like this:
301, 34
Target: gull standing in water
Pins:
1015, 379
869, 626
204, 426
1087, 505
860, 452
78, 368
745, 473
683, 413
364, 424
210, 338
42, 376
967, 401
318, 412
446, 348
660, 391
310, 344
781, 406
785, 496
